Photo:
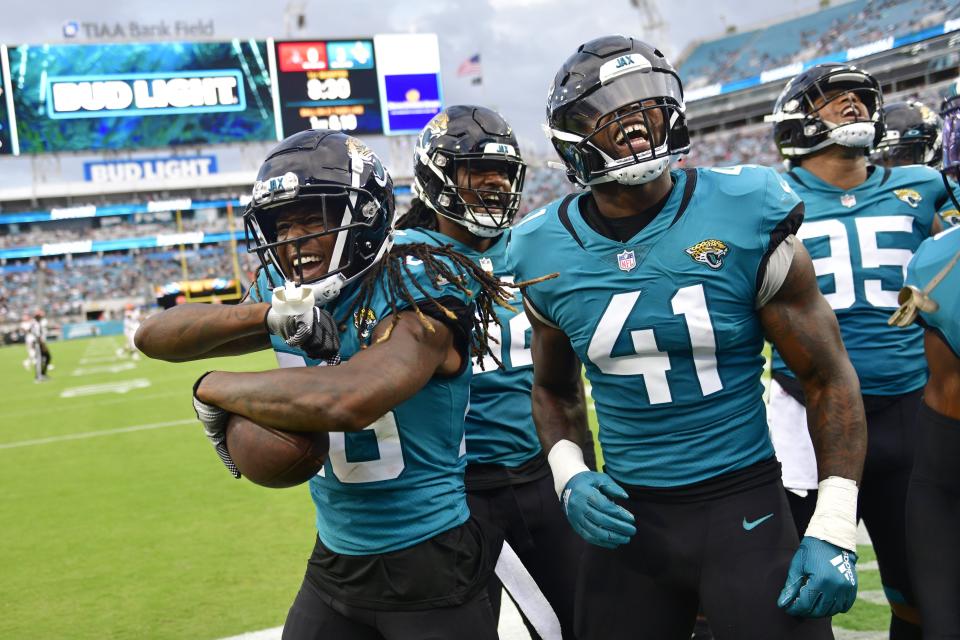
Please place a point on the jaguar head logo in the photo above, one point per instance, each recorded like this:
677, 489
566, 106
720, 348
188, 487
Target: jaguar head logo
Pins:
909, 196
709, 252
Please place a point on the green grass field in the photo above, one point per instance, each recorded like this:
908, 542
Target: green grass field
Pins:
118, 521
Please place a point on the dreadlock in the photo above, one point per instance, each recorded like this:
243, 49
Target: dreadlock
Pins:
388, 274
418, 215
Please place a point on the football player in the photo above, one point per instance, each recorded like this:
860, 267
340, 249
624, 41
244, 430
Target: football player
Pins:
397, 555
132, 317
36, 340
932, 298
468, 179
669, 281
912, 135
863, 223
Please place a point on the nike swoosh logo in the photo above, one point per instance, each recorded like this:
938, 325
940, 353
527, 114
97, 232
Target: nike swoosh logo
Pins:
747, 526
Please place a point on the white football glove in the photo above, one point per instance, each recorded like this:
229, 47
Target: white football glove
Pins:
314, 331
214, 421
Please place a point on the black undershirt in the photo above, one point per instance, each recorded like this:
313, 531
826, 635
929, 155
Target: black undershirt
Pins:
619, 229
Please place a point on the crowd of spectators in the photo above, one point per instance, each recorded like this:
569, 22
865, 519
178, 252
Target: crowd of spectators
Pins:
67, 288
41, 233
836, 29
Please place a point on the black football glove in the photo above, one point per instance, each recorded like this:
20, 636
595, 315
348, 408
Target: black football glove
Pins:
314, 332
214, 421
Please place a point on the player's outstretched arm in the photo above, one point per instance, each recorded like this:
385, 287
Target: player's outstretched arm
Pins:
197, 331
560, 414
802, 326
346, 397
822, 579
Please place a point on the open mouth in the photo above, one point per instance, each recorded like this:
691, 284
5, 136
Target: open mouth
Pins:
850, 112
632, 138
309, 265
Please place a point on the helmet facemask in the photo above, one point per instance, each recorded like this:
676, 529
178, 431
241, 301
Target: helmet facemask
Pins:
833, 91
895, 152
484, 211
625, 130
337, 212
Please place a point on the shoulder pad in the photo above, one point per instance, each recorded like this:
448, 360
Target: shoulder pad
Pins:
411, 236
741, 179
534, 220
915, 173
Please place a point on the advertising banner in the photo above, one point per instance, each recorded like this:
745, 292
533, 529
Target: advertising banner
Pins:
125, 96
409, 76
326, 84
6, 144
137, 169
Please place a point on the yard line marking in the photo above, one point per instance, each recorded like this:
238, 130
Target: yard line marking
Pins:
109, 387
99, 359
109, 368
94, 434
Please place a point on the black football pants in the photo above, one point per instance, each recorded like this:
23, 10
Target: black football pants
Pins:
727, 555
316, 616
530, 518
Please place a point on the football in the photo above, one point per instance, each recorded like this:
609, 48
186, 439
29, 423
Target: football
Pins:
272, 457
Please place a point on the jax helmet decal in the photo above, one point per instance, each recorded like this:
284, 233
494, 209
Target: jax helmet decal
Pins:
330, 176
622, 94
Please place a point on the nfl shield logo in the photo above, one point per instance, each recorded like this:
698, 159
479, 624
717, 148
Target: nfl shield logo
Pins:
627, 260
848, 200
486, 264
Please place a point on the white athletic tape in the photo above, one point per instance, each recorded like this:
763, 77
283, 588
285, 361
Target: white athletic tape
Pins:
565, 460
835, 518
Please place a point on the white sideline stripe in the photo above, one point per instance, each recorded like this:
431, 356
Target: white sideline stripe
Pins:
263, 634
94, 434
526, 593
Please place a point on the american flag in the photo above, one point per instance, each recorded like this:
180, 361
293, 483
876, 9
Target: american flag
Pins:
470, 67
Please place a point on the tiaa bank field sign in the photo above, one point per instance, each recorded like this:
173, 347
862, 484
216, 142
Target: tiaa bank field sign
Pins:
175, 167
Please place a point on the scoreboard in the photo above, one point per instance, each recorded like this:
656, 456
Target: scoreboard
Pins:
84, 97
389, 84
327, 85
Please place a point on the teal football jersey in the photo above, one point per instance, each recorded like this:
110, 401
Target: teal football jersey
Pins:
861, 241
401, 480
499, 424
931, 258
666, 323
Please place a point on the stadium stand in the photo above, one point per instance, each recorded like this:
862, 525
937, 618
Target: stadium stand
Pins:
808, 37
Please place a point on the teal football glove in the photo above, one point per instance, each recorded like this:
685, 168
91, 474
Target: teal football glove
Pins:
587, 501
822, 580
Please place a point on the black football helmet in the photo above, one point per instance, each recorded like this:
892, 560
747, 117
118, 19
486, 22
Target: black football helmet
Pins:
912, 136
950, 113
635, 90
798, 129
470, 138
333, 177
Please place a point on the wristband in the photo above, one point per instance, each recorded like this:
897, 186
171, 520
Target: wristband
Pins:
835, 517
565, 460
